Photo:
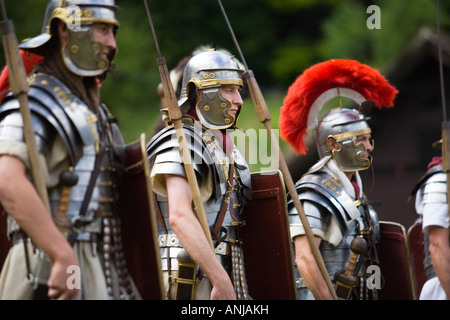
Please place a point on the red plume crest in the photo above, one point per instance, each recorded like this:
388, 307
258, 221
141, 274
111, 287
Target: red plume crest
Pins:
336, 73
29, 60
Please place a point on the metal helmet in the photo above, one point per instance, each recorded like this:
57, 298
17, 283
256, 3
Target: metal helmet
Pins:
304, 103
83, 54
344, 125
208, 71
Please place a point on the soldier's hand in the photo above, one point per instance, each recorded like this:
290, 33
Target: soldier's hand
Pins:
223, 290
58, 280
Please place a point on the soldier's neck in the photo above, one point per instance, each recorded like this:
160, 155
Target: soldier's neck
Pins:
350, 175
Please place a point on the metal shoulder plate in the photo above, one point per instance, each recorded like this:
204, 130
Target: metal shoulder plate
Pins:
428, 177
326, 192
432, 187
53, 101
163, 149
11, 128
221, 163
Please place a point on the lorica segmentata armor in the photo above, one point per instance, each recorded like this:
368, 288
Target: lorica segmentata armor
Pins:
325, 202
58, 112
210, 164
431, 189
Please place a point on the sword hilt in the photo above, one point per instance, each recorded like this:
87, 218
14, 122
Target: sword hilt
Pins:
358, 246
345, 280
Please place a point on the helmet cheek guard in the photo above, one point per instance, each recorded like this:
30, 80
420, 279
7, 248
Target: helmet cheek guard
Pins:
351, 156
208, 111
83, 54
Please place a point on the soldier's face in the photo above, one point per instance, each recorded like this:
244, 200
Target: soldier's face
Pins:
104, 33
367, 141
231, 92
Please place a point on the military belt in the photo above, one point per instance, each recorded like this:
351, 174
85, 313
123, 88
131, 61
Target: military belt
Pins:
19, 236
300, 283
171, 240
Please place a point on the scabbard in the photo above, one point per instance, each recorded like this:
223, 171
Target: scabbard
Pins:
186, 277
345, 280
344, 285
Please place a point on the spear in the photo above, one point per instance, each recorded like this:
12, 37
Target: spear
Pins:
264, 117
445, 124
175, 117
19, 87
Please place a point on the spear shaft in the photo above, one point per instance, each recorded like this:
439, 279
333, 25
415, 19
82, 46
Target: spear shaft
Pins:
445, 124
20, 87
175, 117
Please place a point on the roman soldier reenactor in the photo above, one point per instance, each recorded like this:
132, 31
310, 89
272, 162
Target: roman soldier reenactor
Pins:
210, 102
345, 225
77, 237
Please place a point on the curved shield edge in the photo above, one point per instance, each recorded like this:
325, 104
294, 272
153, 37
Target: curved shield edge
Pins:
139, 228
395, 263
417, 255
266, 240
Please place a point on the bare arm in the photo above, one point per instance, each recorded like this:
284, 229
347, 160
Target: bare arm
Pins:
440, 255
308, 268
20, 199
191, 235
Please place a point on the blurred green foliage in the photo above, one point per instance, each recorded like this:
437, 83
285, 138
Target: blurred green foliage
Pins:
279, 40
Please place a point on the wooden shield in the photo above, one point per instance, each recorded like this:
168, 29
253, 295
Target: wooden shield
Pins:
395, 266
139, 229
5, 244
266, 240
417, 255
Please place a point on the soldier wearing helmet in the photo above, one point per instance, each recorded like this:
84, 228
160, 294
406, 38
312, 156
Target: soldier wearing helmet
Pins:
431, 205
83, 51
79, 253
331, 192
210, 101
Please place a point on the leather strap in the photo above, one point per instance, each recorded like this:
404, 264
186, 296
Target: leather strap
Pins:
95, 172
90, 188
215, 229
160, 216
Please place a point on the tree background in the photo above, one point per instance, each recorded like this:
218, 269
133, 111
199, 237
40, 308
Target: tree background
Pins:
279, 40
